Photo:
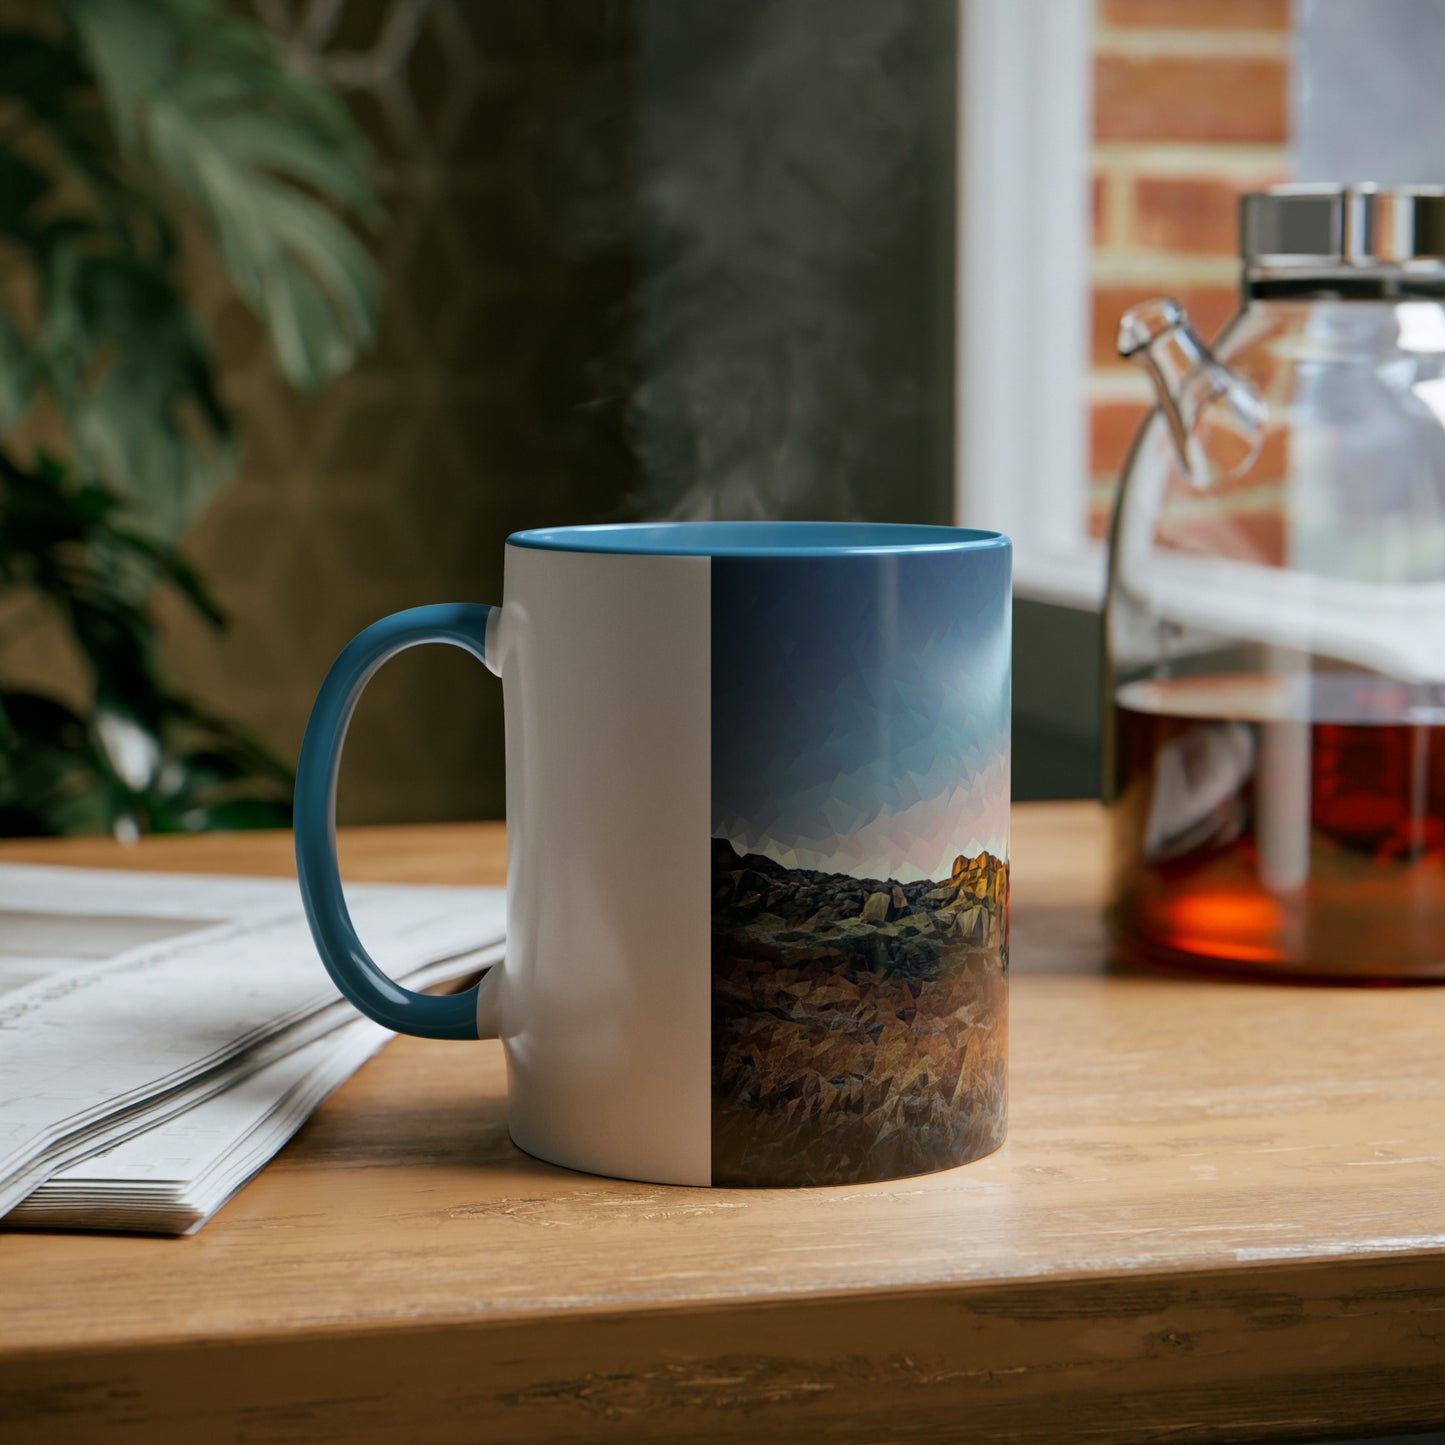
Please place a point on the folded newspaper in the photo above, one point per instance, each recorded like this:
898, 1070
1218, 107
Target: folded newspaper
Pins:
162, 1035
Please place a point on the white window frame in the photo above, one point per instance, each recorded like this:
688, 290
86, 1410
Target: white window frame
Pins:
1025, 135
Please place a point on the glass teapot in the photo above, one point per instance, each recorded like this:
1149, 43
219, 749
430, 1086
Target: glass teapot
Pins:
1275, 624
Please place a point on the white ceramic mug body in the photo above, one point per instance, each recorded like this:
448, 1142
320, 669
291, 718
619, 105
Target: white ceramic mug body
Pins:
757, 791
604, 1007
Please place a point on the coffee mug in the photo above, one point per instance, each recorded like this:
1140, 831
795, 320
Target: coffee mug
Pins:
757, 847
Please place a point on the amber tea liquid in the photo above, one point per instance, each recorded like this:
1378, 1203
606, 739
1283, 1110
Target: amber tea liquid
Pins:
1282, 825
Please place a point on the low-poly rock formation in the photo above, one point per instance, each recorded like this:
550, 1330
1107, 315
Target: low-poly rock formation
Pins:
875, 908
859, 1025
902, 927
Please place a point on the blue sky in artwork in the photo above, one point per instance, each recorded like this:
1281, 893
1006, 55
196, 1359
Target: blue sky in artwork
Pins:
861, 709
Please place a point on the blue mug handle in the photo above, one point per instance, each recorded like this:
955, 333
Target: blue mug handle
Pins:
450, 1016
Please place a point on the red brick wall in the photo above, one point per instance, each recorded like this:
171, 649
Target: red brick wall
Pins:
1190, 110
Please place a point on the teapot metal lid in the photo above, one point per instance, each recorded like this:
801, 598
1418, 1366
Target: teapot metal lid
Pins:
1329, 228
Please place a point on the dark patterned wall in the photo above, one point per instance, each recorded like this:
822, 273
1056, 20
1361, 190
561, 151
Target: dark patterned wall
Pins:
397, 486
566, 338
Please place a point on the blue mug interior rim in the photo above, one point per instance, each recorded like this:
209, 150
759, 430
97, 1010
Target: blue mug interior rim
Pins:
757, 539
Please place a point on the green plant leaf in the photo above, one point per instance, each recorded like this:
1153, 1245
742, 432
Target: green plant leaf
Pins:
22, 187
17, 374
52, 780
169, 566
73, 545
55, 94
39, 73
266, 154
134, 378
112, 121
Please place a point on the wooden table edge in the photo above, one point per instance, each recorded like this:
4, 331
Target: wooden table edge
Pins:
1334, 1343
1237, 1279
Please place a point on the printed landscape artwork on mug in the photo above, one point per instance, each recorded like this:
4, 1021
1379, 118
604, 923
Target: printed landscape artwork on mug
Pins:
860, 794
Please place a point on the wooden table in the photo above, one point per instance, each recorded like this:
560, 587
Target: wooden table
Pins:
1220, 1214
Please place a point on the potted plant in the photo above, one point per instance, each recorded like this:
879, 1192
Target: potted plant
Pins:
131, 131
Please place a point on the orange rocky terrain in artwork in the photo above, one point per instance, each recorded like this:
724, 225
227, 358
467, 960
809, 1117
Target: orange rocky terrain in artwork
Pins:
859, 1025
